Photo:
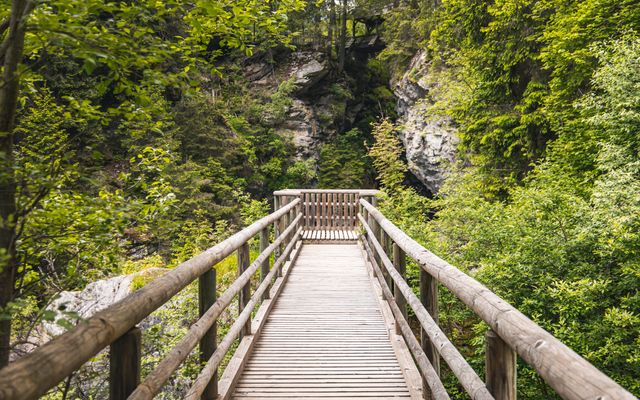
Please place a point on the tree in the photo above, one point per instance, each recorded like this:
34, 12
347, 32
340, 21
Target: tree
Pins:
342, 51
119, 45
12, 48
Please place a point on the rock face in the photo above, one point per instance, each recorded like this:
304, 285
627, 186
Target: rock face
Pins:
305, 121
308, 69
302, 127
429, 140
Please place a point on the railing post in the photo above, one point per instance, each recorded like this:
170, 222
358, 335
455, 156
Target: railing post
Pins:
378, 234
206, 298
264, 268
124, 364
244, 296
429, 299
400, 262
383, 238
501, 367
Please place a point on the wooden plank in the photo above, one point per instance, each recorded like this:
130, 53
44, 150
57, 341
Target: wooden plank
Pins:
325, 336
237, 363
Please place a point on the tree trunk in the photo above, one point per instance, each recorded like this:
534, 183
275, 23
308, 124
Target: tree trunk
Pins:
330, 28
343, 37
8, 102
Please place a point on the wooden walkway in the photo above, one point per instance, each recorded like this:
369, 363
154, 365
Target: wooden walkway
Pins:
327, 335
330, 310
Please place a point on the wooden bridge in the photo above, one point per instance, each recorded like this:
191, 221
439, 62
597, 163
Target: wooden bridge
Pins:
327, 318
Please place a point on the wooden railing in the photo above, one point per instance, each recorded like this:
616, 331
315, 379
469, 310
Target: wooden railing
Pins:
387, 248
34, 374
511, 332
326, 210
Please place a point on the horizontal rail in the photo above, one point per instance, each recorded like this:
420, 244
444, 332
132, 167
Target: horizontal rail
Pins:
157, 378
34, 374
570, 375
429, 374
469, 379
297, 192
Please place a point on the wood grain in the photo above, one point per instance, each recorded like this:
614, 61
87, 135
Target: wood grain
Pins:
325, 337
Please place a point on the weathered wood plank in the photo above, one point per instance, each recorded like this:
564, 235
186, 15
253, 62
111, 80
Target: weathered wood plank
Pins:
325, 335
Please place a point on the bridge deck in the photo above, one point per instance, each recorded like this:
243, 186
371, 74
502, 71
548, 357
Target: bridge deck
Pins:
327, 335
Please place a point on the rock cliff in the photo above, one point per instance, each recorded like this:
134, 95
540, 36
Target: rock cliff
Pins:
430, 140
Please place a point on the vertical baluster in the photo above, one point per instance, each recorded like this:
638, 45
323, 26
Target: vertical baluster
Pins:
334, 211
276, 225
336, 198
383, 238
353, 215
264, 267
206, 299
347, 212
124, 364
345, 198
329, 212
400, 262
318, 206
325, 212
244, 296
429, 299
501, 367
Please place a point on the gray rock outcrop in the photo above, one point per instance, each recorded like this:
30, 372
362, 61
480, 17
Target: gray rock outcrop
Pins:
430, 140
307, 69
302, 127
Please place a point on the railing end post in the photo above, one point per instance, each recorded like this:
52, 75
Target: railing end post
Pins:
501, 367
124, 364
207, 296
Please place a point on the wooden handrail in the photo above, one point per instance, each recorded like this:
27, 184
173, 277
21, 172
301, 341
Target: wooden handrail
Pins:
469, 379
570, 375
209, 369
297, 192
34, 374
156, 379
429, 374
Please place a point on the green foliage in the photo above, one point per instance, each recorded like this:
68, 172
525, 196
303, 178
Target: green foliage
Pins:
342, 163
563, 247
386, 154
